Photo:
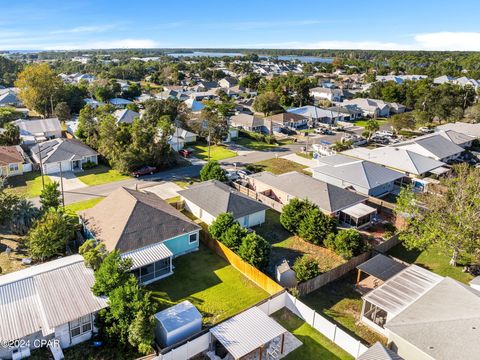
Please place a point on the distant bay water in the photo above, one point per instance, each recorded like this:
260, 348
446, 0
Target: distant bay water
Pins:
307, 59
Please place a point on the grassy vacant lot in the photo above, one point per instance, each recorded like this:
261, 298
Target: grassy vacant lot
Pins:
100, 174
210, 283
340, 302
13, 261
315, 345
279, 166
260, 145
363, 122
433, 259
28, 185
217, 152
288, 246
83, 205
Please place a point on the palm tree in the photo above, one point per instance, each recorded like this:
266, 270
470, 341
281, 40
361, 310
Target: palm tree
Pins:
23, 216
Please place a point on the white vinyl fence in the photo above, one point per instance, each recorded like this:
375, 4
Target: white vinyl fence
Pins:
348, 343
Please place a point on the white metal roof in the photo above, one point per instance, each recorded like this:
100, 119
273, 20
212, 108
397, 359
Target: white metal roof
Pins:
178, 315
44, 296
148, 255
403, 289
358, 210
247, 331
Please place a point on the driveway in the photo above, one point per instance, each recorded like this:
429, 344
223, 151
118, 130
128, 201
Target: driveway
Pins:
301, 160
165, 191
70, 181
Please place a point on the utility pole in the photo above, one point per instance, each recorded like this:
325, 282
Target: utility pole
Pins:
209, 143
61, 186
41, 162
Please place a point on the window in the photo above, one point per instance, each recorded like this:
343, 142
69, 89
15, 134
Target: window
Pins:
245, 221
81, 326
193, 238
147, 272
13, 167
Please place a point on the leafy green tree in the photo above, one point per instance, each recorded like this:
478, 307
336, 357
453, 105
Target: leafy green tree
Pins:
293, 213
24, 214
50, 234
372, 126
315, 226
112, 273
50, 196
220, 225
141, 332
62, 111
11, 135
8, 203
93, 253
87, 129
444, 221
267, 103
8, 114
214, 116
306, 268
233, 236
155, 109
212, 171
347, 243
473, 113
255, 250
403, 121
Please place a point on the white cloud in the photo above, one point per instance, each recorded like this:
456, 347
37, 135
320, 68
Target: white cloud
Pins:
84, 29
468, 41
113, 44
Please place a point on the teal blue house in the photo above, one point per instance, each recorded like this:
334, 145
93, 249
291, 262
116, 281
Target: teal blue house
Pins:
144, 228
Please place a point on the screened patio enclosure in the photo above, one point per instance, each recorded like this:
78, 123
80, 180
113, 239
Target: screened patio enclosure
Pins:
357, 216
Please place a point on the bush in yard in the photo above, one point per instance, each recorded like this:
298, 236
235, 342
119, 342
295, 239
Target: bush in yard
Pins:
255, 250
315, 226
50, 234
347, 243
88, 165
23, 216
220, 225
212, 171
50, 196
111, 274
390, 230
306, 268
93, 253
293, 213
233, 236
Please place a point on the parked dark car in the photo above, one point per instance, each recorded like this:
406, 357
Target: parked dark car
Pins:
144, 170
185, 153
288, 131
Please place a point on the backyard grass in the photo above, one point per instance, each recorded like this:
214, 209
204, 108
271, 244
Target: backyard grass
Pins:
288, 246
210, 283
28, 185
363, 122
433, 259
13, 261
83, 205
217, 152
315, 345
340, 302
100, 174
278, 166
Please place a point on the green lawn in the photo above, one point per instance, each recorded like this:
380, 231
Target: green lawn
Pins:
217, 152
315, 345
210, 283
260, 145
278, 166
363, 122
28, 185
13, 261
83, 205
342, 304
307, 155
434, 260
100, 174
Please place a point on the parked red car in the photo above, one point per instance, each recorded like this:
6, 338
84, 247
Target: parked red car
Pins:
144, 170
185, 153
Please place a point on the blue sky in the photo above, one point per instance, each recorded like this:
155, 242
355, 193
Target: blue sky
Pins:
350, 24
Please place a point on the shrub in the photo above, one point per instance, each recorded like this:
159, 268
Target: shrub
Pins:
254, 168
220, 225
233, 236
306, 268
212, 171
390, 230
50, 196
316, 226
293, 213
88, 165
347, 243
255, 250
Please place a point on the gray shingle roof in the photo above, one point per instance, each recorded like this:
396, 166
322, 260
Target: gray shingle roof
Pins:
36, 127
436, 145
327, 197
127, 220
378, 352
216, 197
62, 149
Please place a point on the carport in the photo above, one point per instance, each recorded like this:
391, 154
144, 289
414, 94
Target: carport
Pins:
379, 269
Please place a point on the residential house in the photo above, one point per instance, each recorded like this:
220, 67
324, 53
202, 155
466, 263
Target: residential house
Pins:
187, 136
396, 108
328, 93
316, 115
363, 176
209, 199
93, 103
120, 103
125, 116
400, 79
194, 105
9, 98
462, 81
45, 302
425, 316
472, 130
433, 146
12, 161
350, 112
144, 228
248, 122
463, 140
348, 206
289, 120
370, 107
404, 160
378, 352
443, 79
63, 155
228, 82
33, 131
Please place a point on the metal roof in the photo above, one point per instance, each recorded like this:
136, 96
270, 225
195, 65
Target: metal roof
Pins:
402, 290
148, 255
178, 315
247, 331
44, 296
37, 127
358, 210
382, 267
378, 352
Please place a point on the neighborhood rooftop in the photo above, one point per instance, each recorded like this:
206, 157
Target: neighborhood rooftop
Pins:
57, 150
